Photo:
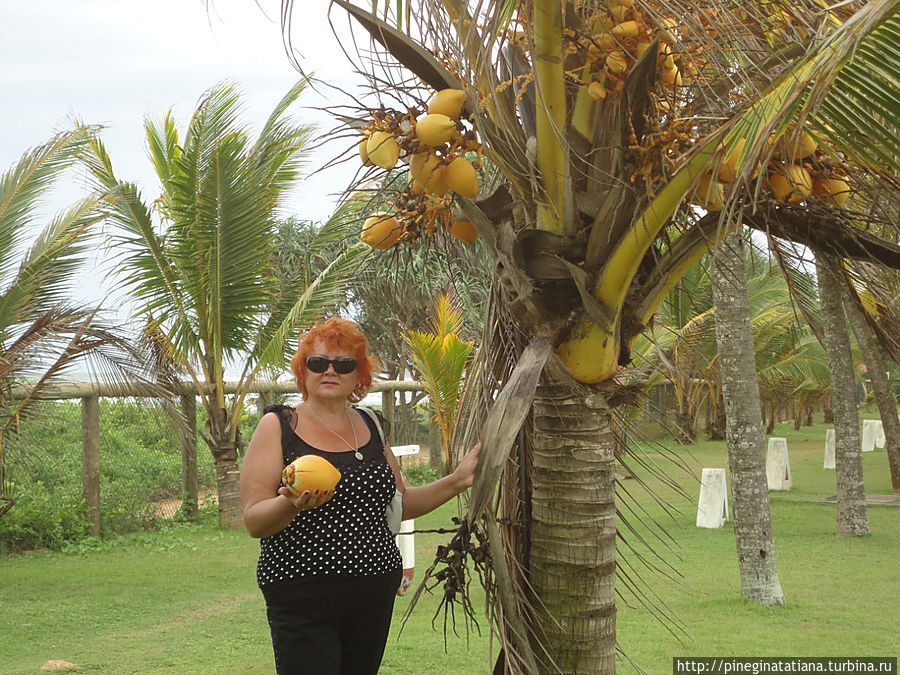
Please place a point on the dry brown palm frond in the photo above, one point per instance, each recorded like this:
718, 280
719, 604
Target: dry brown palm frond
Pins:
77, 337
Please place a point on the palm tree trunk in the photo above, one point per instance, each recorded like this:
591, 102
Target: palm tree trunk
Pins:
685, 430
716, 420
852, 516
228, 486
884, 397
573, 536
744, 427
228, 473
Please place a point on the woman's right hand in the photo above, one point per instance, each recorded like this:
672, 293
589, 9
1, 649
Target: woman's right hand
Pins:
308, 499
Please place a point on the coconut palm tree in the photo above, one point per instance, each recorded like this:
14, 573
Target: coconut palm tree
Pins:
852, 515
863, 311
601, 119
746, 450
43, 334
205, 279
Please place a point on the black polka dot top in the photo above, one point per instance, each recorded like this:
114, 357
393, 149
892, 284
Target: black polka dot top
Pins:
348, 534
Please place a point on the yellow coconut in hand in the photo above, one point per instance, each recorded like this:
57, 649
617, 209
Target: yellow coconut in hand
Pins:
309, 472
382, 150
435, 129
448, 102
791, 184
381, 231
462, 177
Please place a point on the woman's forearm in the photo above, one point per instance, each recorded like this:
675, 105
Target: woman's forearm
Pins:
417, 501
268, 516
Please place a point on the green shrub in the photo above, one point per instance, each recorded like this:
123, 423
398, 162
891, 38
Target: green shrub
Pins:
42, 518
421, 474
140, 463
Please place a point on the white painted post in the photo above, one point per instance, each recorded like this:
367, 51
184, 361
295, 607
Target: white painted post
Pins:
712, 509
406, 542
829, 448
869, 432
406, 539
778, 465
403, 450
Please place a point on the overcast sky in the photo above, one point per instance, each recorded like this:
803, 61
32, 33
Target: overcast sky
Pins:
112, 62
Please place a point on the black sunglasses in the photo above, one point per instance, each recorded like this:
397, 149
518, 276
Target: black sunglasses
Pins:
342, 364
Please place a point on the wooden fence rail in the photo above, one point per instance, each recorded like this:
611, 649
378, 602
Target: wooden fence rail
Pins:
91, 392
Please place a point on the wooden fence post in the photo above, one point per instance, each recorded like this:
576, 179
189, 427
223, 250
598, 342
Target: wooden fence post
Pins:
387, 408
90, 461
189, 454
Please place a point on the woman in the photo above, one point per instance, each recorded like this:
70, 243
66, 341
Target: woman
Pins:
329, 566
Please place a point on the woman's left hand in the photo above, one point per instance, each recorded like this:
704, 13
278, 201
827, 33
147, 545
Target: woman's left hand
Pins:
465, 470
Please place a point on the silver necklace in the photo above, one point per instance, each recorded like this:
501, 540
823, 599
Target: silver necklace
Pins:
354, 448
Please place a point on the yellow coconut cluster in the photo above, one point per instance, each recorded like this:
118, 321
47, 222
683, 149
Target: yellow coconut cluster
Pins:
435, 145
795, 172
620, 33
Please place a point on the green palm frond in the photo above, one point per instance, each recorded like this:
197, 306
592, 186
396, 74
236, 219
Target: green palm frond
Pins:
441, 358
272, 346
860, 114
28, 180
147, 271
825, 89
46, 270
277, 145
162, 140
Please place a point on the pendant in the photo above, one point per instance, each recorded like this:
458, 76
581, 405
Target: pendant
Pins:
358, 455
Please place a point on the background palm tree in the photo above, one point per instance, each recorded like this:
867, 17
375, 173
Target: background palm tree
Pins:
861, 320
441, 358
205, 278
43, 334
681, 344
601, 118
852, 515
746, 442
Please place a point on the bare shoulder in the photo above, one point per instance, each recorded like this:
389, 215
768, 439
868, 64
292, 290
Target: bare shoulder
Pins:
267, 436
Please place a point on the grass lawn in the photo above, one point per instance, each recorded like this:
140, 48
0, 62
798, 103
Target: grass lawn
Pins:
185, 600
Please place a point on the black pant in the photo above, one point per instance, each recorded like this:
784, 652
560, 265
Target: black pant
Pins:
331, 625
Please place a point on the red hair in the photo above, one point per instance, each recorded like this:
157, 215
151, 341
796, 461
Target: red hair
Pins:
337, 334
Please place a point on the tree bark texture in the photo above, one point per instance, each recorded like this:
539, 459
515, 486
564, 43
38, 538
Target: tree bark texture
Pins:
228, 472
744, 427
884, 397
852, 516
573, 533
